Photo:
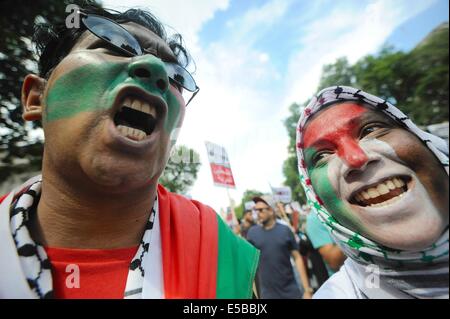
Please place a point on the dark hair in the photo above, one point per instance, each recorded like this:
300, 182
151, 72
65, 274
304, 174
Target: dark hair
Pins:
54, 41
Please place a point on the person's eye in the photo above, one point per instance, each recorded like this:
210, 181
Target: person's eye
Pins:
106, 48
111, 51
370, 128
321, 156
176, 85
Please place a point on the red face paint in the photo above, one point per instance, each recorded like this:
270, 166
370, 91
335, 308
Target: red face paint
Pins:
337, 129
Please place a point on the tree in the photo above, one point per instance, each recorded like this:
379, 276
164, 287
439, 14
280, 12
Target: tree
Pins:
246, 197
290, 166
416, 81
339, 72
181, 170
18, 151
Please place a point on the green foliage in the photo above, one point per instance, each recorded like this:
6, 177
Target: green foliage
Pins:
246, 197
181, 170
290, 170
416, 81
17, 59
339, 72
292, 179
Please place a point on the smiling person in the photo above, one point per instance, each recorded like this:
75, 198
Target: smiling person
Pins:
96, 224
380, 185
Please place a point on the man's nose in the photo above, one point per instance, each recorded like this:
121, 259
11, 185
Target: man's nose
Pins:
149, 70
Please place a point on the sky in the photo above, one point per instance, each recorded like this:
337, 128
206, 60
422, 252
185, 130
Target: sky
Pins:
254, 58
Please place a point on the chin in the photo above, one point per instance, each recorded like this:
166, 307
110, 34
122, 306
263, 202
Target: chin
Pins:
412, 234
115, 176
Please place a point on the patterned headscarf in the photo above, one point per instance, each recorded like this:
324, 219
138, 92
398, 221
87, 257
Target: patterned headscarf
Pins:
360, 249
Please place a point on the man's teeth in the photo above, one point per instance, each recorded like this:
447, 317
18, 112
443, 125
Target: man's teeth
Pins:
132, 133
139, 105
395, 185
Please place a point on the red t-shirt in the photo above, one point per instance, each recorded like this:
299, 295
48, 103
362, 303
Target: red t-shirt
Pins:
90, 273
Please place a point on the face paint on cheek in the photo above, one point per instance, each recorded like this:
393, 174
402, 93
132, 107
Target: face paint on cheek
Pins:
83, 90
321, 176
174, 114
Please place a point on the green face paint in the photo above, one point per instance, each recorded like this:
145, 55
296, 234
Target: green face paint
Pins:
93, 87
320, 180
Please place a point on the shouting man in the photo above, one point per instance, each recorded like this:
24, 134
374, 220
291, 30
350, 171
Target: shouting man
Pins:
380, 185
96, 224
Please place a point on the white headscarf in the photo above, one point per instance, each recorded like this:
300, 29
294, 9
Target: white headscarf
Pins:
413, 273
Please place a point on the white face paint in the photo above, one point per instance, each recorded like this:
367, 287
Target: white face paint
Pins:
388, 201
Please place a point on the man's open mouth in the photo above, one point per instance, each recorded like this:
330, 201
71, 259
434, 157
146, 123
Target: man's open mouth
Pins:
136, 118
383, 193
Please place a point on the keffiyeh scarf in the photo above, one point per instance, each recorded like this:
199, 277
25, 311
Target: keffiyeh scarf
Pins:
33, 259
403, 274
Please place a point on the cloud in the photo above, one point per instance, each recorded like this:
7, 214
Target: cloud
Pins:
237, 107
244, 95
352, 32
185, 17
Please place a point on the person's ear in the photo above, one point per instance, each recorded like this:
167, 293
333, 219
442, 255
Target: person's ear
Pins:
32, 92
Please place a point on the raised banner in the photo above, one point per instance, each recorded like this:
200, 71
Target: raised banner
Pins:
220, 165
282, 194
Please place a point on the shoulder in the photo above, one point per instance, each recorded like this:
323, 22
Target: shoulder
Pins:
182, 204
338, 286
283, 228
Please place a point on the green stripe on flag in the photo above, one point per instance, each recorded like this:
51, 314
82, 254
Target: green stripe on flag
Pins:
237, 263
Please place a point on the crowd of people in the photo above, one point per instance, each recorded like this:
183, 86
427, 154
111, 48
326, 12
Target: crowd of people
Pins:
96, 223
297, 252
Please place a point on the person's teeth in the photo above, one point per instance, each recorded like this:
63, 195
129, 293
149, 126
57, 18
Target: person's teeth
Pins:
365, 195
359, 197
398, 182
373, 193
127, 102
139, 105
390, 184
122, 130
128, 132
145, 107
382, 189
136, 104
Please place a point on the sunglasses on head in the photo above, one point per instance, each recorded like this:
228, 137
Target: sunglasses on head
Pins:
125, 42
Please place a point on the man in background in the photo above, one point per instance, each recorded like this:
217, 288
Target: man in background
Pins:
277, 245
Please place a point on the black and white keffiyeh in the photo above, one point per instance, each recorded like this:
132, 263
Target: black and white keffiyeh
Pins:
34, 262
410, 274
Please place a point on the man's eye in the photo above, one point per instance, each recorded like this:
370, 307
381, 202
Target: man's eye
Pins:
112, 51
106, 48
177, 85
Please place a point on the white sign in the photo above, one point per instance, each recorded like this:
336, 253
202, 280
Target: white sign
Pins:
282, 194
249, 205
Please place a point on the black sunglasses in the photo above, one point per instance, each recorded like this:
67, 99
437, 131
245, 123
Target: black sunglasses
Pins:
125, 42
260, 210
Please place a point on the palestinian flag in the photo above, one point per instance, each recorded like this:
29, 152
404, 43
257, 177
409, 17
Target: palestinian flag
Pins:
202, 257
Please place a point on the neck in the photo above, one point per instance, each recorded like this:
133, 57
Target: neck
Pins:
76, 217
270, 224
